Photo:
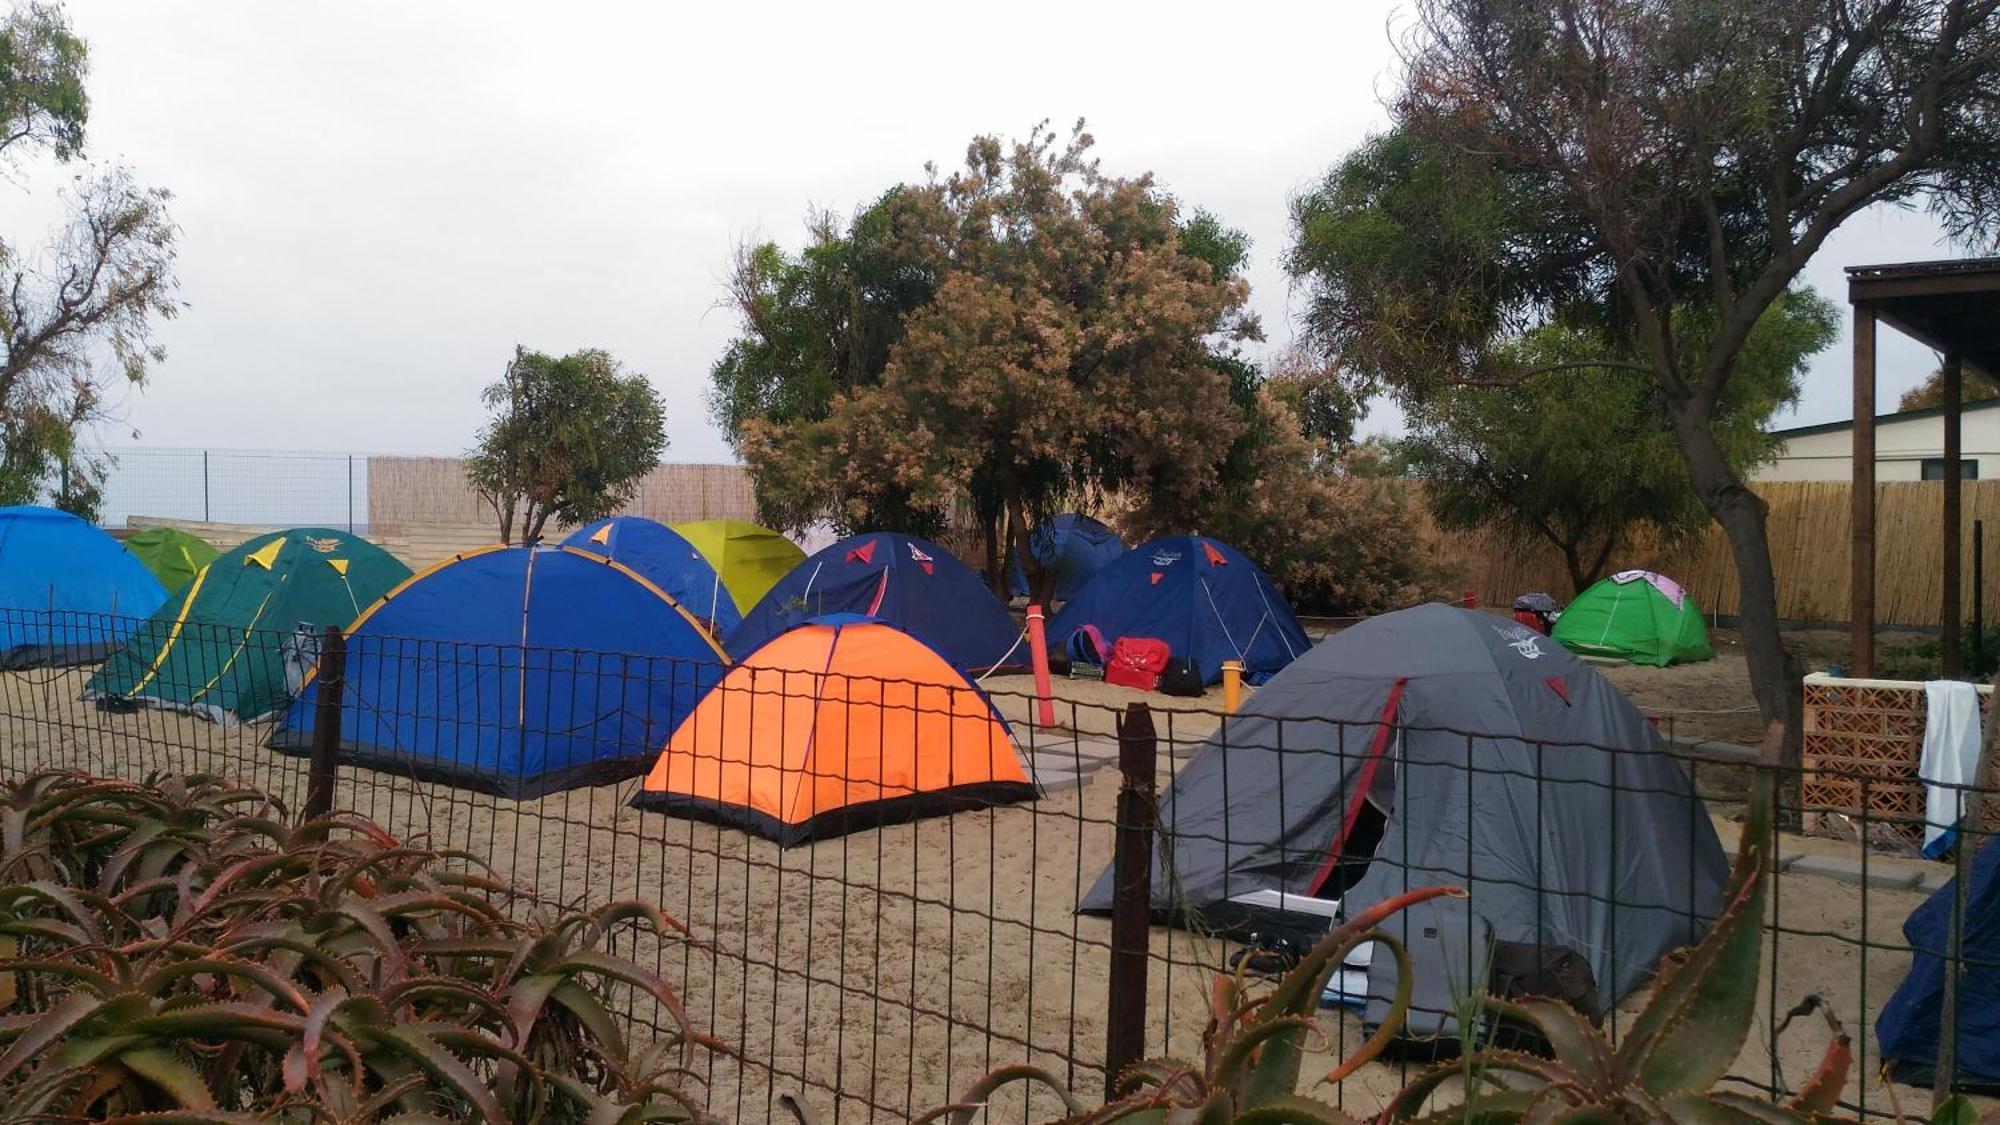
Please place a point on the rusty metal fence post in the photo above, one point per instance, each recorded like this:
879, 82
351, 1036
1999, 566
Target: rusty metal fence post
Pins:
324, 766
1131, 892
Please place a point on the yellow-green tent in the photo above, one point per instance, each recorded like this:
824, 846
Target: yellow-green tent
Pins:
173, 555
749, 558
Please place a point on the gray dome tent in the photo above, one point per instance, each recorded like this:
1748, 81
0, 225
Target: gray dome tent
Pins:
1442, 745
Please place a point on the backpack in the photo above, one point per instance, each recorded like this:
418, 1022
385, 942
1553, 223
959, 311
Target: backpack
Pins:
1136, 662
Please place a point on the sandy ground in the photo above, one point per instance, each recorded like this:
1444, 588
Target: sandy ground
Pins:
886, 969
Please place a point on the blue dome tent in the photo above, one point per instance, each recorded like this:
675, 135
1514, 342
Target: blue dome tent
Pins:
517, 671
1200, 596
1075, 547
662, 556
1907, 1030
912, 583
69, 593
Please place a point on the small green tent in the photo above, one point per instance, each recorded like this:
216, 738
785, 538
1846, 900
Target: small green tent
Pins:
173, 555
219, 648
1636, 615
749, 559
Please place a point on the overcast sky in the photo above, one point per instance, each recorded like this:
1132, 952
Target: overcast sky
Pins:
379, 200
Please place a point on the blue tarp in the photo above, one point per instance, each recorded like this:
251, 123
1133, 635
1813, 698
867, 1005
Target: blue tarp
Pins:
69, 593
1907, 1030
661, 556
1200, 596
914, 584
1073, 545
516, 670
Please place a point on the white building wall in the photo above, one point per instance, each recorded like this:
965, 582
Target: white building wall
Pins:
1900, 449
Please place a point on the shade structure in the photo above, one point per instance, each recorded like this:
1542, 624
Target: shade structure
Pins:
1444, 746
911, 583
173, 555
1636, 615
1074, 547
1199, 595
516, 671
837, 725
1912, 1022
749, 558
217, 648
69, 594
665, 558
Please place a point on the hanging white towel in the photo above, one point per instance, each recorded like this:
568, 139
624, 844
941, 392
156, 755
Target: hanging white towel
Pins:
1951, 756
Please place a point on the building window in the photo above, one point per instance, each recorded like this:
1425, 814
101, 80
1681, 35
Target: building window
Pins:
1968, 468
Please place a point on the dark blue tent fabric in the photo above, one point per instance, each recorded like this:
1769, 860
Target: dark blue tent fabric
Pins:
518, 671
69, 593
914, 584
661, 556
1200, 596
1073, 545
1907, 1030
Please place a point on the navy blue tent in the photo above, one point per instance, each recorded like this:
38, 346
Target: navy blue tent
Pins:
1200, 596
69, 593
1907, 1030
1072, 545
912, 583
662, 556
517, 671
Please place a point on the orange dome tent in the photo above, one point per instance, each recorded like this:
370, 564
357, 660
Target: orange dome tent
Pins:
840, 724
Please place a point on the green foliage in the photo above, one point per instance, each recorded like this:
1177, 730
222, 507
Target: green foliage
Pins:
177, 948
1022, 334
1581, 457
94, 290
1930, 392
569, 440
1660, 170
42, 67
1335, 535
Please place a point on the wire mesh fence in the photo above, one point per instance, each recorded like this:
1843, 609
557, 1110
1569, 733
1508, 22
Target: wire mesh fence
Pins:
889, 893
282, 488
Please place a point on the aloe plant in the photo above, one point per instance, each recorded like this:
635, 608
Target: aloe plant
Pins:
1253, 1049
179, 951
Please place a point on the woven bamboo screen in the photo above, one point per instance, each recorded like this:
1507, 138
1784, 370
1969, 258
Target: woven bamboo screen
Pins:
1808, 527
432, 491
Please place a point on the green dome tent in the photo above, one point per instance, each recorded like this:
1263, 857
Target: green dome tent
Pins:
173, 555
218, 649
1638, 616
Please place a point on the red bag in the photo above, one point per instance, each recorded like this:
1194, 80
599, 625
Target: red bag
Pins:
1136, 662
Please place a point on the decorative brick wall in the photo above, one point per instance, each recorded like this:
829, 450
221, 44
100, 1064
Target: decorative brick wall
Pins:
1866, 736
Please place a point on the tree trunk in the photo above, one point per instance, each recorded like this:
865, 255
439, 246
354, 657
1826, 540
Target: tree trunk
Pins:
996, 576
1573, 562
1775, 674
1017, 544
